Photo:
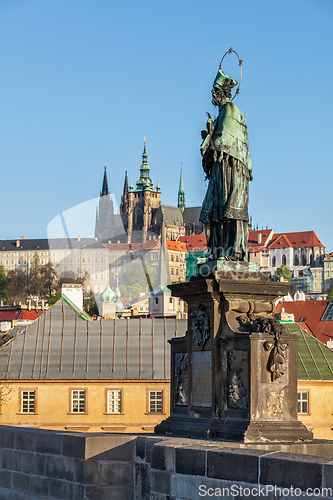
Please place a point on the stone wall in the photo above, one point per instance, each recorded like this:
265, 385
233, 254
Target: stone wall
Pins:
38, 464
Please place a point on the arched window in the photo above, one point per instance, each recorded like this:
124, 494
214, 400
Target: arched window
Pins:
304, 259
273, 261
296, 259
284, 260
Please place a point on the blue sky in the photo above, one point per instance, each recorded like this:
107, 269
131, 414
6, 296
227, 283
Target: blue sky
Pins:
82, 82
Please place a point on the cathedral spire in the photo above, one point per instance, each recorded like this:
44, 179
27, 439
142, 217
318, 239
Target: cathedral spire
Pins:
125, 192
144, 183
181, 192
105, 189
163, 268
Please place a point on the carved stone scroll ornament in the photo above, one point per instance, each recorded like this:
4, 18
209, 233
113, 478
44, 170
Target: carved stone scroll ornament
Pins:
237, 391
181, 378
276, 346
200, 326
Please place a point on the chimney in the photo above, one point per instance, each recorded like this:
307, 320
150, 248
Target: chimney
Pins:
259, 238
17, 243
78, 238
22, 237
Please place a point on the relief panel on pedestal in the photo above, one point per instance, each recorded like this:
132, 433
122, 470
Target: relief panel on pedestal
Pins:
237, 393
181, 378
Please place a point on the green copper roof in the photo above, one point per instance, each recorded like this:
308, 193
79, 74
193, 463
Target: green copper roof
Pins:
315, 359
107, 295
144, 183
81, 314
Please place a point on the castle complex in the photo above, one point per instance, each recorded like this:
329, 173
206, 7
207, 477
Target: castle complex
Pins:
141, 212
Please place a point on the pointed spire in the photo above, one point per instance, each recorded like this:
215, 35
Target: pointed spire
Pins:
163, 268
105, 189
181, 191
125, 192
145, 181
131, 186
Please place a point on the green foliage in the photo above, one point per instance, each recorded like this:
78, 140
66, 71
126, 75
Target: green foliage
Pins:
90, 306
284, 272
42, 278
330, 294
54, 298
17, 283
4, 295
39, 279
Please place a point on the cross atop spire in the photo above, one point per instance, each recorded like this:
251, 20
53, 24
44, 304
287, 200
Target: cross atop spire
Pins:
105, 189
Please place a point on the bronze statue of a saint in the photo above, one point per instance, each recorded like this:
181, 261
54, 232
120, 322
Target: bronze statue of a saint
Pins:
227, 164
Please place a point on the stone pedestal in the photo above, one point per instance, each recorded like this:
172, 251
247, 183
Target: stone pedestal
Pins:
234, 374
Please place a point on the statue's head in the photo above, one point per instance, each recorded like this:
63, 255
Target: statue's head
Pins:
222, 87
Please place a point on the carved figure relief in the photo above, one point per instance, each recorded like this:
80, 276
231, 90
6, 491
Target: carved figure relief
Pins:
181, 378
274, 408
276, 346
237, 391
200, 326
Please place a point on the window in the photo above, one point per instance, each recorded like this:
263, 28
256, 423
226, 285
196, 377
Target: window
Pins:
155, 401
79, 401
28, 401
114, 401
284, 260
273, 261
303, 402
156, 300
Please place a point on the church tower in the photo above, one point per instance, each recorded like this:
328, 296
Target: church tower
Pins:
105, 223
181, 192
139, 205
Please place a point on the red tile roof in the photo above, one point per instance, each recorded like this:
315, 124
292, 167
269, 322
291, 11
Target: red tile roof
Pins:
19, 315
301, 239
329, 255
258, 248
149, 245
131, 246
194, 242
282, 241
311, 311
254, 236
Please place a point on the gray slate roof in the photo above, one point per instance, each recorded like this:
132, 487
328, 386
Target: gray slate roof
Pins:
60, 345
191, 215
52, 244
172, 215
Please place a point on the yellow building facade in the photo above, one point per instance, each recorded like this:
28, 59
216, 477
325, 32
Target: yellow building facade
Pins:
53, 405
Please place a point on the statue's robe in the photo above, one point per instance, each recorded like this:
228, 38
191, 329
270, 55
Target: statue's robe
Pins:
227, 162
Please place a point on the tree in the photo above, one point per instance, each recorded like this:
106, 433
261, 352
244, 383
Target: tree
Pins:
48, 278
42, 278
330, 294
90, 305
17, 285
283, 272
4, 295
